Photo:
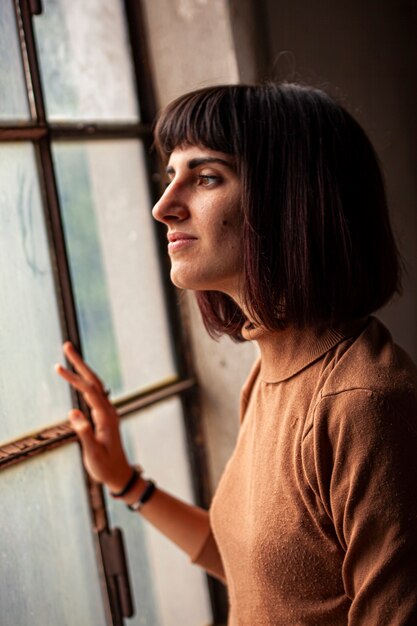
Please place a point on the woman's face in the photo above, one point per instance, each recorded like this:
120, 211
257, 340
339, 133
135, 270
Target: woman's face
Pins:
201, 209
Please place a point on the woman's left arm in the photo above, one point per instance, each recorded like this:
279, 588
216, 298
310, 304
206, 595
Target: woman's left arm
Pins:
372, 495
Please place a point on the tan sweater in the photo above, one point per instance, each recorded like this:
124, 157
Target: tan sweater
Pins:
315, 516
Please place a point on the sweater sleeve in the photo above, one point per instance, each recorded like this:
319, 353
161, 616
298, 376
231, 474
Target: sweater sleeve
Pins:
365, 448
208, 557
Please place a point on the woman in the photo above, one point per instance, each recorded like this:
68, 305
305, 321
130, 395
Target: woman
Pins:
277, 218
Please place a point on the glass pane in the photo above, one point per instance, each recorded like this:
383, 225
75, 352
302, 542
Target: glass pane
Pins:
31, 395
13, 100
85, 61
169, 590
109, 231
48, 571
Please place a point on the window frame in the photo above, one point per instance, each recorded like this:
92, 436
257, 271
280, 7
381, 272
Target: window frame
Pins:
41, 134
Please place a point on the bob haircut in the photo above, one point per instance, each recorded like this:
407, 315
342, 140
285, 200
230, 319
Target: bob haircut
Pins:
317, 242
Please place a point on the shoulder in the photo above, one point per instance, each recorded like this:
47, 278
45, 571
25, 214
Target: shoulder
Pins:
363, 440
373, 363
367, 404
365, 418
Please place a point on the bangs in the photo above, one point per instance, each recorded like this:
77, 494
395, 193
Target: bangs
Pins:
206, 117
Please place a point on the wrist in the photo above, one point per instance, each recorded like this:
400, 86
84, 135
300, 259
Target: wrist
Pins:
144, 496
125, 482
135, 492
139, 494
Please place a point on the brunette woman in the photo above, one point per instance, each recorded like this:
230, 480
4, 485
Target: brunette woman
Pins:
276, 217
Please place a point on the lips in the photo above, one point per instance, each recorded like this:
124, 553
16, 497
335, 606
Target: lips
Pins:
178, 236
179, 241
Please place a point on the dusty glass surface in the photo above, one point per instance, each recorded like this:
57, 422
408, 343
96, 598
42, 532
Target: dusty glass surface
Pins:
48, 570
31, 395
169, 590
13, 100
85, 61
112, 253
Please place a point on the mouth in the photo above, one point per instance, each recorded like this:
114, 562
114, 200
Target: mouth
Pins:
179, 241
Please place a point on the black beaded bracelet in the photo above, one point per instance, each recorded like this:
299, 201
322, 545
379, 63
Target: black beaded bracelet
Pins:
136, 472
144, 497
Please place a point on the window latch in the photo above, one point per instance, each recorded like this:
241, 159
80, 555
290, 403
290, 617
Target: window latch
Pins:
35, 7
116, 570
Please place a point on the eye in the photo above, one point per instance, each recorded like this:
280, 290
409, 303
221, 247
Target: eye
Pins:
208, 180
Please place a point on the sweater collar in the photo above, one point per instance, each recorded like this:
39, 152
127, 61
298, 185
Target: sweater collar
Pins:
286, 352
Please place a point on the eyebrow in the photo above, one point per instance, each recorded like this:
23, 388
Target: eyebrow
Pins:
193, 163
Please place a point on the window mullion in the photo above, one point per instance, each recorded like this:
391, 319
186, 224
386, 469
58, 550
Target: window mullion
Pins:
69, 321
39, 134
31, 69
65, 298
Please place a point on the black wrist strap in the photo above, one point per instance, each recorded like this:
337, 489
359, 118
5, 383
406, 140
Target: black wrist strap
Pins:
144, 497
128, 486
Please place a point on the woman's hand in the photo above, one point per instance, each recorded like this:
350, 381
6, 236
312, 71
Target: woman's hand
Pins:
103, 453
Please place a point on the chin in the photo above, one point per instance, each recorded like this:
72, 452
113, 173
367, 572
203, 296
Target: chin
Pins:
182, 282
195, 280
193, 283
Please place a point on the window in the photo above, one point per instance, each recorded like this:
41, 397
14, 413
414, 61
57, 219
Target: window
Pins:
80, 259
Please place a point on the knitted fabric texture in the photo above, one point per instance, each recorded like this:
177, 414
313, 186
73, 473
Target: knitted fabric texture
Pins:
314, 521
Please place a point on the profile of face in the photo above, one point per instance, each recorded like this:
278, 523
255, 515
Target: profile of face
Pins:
201, 208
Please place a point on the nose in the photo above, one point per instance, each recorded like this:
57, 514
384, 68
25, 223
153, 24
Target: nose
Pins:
171, 206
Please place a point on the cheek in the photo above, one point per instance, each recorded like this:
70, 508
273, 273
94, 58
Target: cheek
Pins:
232, 227
231, 231
232, 218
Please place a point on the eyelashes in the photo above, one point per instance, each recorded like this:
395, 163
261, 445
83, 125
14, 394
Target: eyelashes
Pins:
202, 180
208, 180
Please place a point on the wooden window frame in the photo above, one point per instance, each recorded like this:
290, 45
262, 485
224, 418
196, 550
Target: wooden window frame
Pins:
41, 134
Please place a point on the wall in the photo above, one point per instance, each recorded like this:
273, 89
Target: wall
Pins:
191, 44
367, 53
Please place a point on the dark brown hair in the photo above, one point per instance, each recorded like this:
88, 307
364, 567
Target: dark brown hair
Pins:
318, 245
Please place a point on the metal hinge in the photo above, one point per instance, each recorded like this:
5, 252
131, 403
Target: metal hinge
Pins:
35, 7
116, 570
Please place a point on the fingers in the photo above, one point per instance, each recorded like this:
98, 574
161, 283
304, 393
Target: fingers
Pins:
104, 463
83, 379
103, 414
93, 452
90, 439
84, 430
78, 382
74, 380
81, 367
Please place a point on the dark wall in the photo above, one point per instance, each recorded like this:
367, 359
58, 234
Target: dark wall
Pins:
366, 53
